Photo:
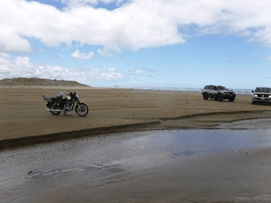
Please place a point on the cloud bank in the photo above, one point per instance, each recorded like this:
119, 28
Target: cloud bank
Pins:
24, 67
134, 25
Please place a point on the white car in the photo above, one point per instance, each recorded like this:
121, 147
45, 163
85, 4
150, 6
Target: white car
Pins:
262, 95
218, 93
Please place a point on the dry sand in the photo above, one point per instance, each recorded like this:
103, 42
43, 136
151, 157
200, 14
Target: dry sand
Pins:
24, 118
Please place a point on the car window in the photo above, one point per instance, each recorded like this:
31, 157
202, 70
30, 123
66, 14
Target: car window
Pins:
263, 89
221, 88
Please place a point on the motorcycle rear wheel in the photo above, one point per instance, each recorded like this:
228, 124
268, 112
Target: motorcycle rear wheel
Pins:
54, 106
82, 110
55, 112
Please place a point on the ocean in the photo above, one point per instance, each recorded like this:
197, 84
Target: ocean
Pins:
237, 91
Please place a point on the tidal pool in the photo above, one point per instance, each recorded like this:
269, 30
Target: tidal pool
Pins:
150, 166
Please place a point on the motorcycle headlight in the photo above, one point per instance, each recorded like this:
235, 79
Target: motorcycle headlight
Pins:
68, 97
77, 95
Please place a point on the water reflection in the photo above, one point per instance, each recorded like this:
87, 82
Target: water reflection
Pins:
29, 171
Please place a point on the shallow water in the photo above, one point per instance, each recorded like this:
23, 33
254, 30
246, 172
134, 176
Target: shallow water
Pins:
83, 167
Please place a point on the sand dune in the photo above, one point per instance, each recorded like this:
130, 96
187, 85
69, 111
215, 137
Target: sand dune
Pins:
36, 82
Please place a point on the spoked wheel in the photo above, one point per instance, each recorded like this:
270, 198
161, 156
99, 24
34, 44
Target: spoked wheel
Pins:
81, 109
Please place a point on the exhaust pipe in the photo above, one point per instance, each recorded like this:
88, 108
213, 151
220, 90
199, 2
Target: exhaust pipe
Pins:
54, 110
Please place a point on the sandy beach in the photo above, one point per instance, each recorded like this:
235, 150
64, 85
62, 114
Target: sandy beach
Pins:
24, 117
234, 175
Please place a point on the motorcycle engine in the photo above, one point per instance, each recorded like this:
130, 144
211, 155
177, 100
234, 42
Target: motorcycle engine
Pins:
67, 106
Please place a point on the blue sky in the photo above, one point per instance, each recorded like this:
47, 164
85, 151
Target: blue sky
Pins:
138, 43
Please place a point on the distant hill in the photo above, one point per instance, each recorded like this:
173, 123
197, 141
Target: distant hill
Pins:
38, 82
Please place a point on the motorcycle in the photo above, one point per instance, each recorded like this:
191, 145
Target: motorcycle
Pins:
59, 104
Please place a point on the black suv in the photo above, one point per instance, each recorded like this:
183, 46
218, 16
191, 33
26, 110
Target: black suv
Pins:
218, 93
262, 95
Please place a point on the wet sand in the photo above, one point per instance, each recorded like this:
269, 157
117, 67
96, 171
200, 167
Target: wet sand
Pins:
150, 166
229, 177
25, 121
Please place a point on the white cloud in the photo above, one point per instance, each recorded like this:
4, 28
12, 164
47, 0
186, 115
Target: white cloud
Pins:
263, 36
268, 58
23, 67
141, 72
138, 72
79, 55
78, 3
108, 75
110, 69
136, 24
12, 42
112, 76
105, 53
81, 3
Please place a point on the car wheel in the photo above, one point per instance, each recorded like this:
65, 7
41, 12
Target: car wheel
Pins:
220, 97
205, 96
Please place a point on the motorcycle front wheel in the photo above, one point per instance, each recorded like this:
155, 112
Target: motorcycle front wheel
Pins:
81, 109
